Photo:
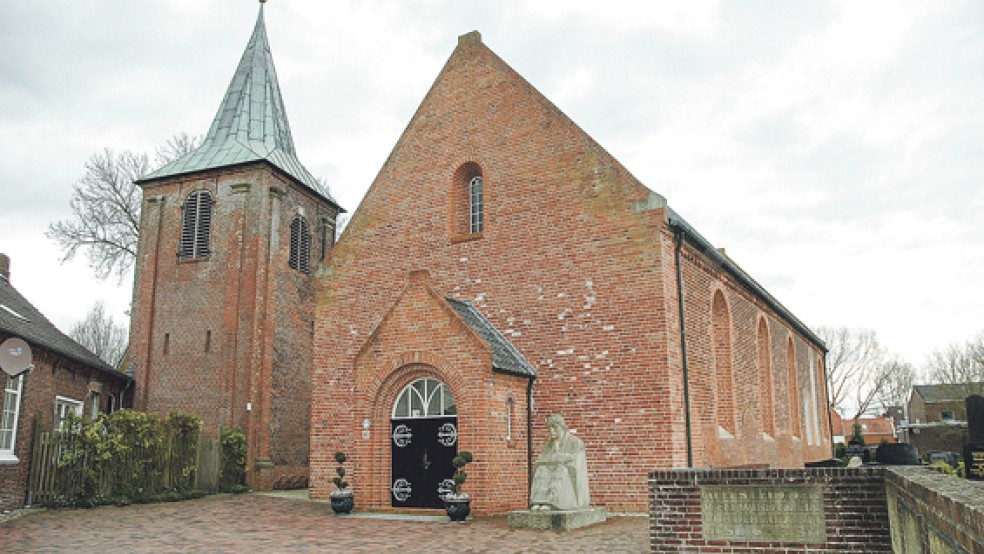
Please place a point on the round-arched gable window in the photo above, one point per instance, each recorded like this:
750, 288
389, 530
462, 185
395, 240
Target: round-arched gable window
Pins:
424, 398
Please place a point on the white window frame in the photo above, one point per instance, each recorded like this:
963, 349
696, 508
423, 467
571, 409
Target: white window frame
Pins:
62, 406
431, 388
476, 205
94, 400
15, 393
509, 418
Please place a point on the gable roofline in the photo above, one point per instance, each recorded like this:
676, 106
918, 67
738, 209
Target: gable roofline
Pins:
250, 125
695, 239
472, 41
946, 392
21, 319
505, 357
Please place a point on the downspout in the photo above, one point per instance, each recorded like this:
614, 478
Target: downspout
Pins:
529, 437
679, 233
830, 418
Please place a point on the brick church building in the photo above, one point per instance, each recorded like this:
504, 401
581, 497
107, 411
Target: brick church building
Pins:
501, 267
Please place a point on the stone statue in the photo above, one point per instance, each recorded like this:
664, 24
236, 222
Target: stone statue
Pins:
560, 480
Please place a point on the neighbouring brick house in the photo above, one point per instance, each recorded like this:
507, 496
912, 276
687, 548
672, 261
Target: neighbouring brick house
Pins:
936, 416
66, 379
873, 429
936, 403
224, 293
502, 267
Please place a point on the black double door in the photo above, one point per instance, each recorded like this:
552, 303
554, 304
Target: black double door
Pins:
422, 452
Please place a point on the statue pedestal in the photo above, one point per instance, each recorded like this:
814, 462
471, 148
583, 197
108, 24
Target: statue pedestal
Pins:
556, 520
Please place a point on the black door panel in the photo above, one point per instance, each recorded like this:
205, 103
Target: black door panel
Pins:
422, 452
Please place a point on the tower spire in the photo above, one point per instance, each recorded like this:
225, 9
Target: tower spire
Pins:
251, 123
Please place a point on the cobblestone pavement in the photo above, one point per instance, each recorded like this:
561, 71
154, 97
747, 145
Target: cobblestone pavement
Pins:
258, 523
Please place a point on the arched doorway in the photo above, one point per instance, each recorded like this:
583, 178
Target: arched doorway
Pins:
423, 441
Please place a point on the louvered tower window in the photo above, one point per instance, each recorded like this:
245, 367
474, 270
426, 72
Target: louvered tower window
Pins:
196, 226
300, 245
475, 197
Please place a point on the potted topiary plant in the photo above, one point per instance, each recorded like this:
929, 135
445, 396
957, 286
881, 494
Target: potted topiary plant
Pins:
456, 503
342, 499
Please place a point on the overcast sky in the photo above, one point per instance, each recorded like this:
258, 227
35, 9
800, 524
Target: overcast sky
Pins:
835, 149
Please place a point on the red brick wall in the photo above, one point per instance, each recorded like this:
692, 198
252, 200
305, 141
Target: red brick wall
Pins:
855, 512
575, 267
739, 388
238, 323
52, 376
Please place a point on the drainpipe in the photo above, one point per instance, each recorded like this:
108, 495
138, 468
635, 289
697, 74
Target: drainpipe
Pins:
830, 418
529, 438
683, 345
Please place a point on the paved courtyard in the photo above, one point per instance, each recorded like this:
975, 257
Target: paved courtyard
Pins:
259, 523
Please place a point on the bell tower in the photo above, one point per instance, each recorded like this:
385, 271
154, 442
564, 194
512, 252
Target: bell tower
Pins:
230, 236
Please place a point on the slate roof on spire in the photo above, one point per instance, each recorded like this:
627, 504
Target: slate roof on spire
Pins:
251, 124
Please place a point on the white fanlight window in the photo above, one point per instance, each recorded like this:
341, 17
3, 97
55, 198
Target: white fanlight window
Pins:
8, 419
424, 398
65, 407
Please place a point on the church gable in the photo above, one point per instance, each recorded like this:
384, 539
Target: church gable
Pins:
482, 119
422, 321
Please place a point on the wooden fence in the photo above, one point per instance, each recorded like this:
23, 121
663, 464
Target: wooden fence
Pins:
137, 471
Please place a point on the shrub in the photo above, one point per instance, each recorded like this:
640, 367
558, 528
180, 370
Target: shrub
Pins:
460, 476
944, 467
233, 460
124, 457
340, 483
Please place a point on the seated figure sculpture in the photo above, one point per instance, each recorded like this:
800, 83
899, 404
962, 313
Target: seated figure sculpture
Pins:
560, 480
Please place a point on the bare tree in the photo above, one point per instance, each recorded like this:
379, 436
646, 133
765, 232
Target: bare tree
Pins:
899, 378
101, 335
177, 146
106, 207
860, 373
959, 363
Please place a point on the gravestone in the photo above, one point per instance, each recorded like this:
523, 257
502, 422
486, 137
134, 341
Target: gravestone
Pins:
974, 449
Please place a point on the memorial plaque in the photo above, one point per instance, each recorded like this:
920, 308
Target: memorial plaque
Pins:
792, 513
974, 461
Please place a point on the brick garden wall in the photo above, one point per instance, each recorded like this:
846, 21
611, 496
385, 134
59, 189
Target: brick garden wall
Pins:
933, 512
855, 515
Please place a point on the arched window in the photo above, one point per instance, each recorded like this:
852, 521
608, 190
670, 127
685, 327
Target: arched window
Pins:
196, 225
300, 245
794, 411
475, 204
424, 398
467, 202
509, 418
721, 343
766, 407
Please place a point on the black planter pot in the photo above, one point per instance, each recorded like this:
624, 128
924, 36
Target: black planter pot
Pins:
342, 504
458, 510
